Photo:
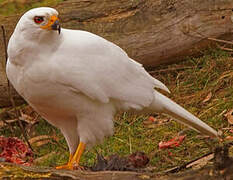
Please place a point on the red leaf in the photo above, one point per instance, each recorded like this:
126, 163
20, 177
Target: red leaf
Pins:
174, 142
151, 119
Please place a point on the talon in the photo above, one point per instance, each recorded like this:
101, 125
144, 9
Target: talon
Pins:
71, 167
67, 167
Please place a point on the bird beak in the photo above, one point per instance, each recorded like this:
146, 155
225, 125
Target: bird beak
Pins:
56, 26
53, 24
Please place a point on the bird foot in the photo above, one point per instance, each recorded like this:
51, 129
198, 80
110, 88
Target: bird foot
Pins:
66, 166
70, 166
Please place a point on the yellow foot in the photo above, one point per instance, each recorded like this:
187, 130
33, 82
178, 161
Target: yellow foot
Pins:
67, 167
71, 167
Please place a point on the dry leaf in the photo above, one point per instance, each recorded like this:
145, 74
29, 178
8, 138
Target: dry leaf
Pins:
208, 97
43, 142
229, 138
42, 139
39, 138
229, 116
28, 115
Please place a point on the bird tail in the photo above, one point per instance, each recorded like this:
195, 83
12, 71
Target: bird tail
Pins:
165, 105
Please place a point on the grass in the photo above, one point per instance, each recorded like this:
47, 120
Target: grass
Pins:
9, 7
190, 82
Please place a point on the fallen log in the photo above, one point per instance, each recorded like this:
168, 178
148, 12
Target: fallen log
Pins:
151, 31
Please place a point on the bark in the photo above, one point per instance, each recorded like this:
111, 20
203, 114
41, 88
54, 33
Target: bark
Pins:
151, 31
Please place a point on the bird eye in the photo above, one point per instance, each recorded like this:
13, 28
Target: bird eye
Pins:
38, 19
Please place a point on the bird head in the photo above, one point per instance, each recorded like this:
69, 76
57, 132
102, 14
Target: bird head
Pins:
39, 20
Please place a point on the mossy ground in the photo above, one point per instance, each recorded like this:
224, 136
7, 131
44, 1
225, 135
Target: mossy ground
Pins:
190, 83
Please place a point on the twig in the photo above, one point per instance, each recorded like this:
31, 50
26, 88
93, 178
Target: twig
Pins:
4, 41
225, 49
179, 168
184, 166
220, 40
169, 69
209, 38
10, 94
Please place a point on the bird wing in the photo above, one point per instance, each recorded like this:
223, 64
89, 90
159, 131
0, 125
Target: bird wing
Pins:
101, 70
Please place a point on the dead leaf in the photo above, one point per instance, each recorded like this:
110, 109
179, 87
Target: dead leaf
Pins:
28, 115
229, 116
43, 139
208, 97
229, 138
174, 142
39, 138
43, 142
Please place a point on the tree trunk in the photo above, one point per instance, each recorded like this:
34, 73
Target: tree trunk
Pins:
151, 31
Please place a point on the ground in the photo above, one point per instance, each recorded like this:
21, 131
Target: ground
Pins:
202, 85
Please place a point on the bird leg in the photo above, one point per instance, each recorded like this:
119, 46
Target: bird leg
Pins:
77, 155
73, 162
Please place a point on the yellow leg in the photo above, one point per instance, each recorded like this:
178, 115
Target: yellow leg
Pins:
68, 165
73, 162
78, 154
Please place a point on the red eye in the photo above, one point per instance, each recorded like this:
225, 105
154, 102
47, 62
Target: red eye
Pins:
38, 19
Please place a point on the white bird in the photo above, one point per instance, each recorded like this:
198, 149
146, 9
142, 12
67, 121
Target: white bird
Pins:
77, 81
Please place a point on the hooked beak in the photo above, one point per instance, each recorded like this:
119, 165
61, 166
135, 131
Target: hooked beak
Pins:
53, 24
56, 26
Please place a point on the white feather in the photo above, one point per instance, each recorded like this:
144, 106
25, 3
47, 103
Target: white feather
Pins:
77, 81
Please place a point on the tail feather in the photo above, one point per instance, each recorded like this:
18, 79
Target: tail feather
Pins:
165, 105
